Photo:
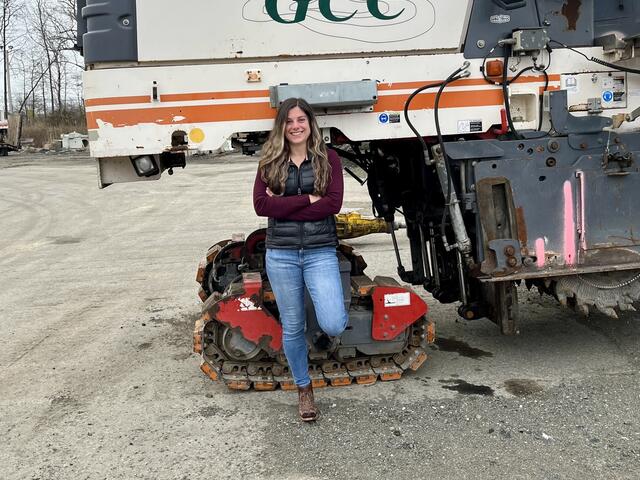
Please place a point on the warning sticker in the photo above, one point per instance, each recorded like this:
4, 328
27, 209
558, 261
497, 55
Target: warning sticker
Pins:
389, 117
397, 299
469, 126
394, 118
247, 305
500, 18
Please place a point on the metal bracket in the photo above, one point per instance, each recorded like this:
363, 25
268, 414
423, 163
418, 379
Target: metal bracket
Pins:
508, 256
565, 123
334, 95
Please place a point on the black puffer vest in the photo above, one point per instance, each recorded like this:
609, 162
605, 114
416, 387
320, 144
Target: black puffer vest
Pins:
293, 234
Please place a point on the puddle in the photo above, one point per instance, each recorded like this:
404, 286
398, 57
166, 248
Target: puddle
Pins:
461, 348
466, 388
522, 387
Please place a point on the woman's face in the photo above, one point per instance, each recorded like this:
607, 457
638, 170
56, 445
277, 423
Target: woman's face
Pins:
297, 129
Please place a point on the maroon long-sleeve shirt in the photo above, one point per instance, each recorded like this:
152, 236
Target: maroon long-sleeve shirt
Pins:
299, 207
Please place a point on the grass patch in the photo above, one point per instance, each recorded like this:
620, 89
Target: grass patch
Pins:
47, 130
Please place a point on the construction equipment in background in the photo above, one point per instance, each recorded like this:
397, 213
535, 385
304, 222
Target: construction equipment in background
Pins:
10, 133
504, 133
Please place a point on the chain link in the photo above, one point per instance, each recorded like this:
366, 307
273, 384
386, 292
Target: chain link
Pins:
610, 287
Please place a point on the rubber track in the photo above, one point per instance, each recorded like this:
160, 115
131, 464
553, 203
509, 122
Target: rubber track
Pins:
269, 374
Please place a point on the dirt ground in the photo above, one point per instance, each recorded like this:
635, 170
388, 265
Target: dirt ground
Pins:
97, 378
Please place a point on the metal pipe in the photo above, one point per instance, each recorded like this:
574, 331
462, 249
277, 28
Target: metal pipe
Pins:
423, 253
461, 280
395, 244
463, 242
433, 255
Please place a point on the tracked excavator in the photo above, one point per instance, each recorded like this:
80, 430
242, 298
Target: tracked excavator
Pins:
502, 133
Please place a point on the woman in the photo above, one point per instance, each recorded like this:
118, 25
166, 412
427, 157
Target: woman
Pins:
299, 187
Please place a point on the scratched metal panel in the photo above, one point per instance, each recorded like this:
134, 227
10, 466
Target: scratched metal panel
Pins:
538, 193
554, 202
611, 210
614, 16
567, 21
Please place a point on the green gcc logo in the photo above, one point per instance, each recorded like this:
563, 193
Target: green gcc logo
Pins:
325, 9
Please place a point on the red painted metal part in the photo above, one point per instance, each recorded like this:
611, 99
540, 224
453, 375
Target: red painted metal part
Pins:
504, 127
245, 310
254, 239
394, 309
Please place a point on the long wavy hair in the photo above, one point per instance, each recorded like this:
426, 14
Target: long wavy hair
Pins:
274, 163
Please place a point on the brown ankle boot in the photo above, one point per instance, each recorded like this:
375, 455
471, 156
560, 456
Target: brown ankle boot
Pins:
306, 405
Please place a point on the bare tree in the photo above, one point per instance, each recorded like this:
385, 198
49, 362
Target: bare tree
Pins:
43, 36
11, 9
45, 66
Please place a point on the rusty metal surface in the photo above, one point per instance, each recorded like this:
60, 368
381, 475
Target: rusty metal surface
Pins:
571, 11
582, 213
561, 271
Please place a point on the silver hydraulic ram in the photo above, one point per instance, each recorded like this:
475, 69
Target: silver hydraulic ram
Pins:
463, 243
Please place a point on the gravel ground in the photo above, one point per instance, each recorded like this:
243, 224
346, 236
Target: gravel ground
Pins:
97, 379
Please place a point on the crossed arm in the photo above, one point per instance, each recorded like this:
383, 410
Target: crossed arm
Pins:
299, 207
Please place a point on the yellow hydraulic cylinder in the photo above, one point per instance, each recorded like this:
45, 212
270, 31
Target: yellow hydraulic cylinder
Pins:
352, 225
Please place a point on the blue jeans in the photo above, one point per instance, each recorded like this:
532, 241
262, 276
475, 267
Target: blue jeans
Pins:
289, 272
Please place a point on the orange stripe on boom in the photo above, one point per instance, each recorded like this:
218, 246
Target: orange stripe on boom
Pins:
465, 82
196, 96
186, 97
478, 98
94, 102
195, 114
263, 111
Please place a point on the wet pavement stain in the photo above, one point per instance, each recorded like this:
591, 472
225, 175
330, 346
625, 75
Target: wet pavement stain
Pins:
213, 411
181, 325
466, 388
461, 348
521, 387
210, 411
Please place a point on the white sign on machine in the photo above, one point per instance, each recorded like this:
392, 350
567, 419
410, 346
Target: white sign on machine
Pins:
401, 299
219, 29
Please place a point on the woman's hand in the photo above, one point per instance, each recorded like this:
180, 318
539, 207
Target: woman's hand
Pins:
269, 192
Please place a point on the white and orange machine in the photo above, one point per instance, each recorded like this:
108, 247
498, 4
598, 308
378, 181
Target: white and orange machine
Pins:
504, 131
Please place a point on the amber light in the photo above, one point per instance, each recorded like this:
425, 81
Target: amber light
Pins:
495, 68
